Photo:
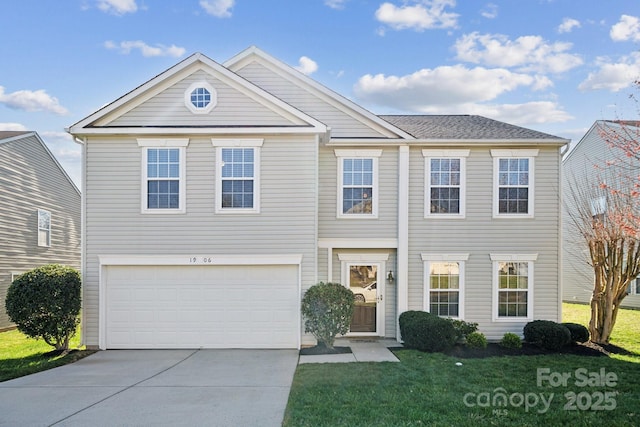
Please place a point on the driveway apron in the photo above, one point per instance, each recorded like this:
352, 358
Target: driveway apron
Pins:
155, 387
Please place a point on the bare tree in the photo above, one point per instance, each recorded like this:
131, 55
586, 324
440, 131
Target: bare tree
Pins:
604, 210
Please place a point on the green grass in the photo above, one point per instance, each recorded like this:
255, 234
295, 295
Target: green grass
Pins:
20, 355
430, 389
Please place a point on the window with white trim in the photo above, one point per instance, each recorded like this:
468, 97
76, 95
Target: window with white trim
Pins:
238, 175
358, 183
513, 287
444, 279
200, 98
163, 170
634, 287
445, 183
44, 228
513, 182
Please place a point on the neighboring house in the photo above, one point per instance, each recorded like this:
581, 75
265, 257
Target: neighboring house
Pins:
216, 194
40, 211
584, 167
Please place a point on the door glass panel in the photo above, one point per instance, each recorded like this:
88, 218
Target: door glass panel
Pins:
363, 282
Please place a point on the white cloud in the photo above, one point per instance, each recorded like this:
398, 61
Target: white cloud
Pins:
443, 86
307, 65
568, 24
490, 11
13, 127
422, 15
628, 28
527, 53
335, 4
613, 76
31, 101
118, 7
218, 8
126, 47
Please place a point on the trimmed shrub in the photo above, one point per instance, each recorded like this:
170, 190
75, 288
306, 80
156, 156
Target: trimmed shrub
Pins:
327, 309
44, 303
426, 332
511, 340
463, 328
476, 340
579, 333
547, 334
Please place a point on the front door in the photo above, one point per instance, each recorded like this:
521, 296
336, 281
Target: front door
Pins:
366, 281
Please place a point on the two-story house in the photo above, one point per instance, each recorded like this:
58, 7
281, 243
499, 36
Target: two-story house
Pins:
39, 211
216, 194
593, 161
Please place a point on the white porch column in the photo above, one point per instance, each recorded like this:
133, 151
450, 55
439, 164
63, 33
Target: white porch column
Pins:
402, 273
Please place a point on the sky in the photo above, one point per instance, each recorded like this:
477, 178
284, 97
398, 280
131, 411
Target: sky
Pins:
555, 66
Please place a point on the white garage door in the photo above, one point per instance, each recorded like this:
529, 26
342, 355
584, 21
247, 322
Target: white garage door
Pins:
202, 306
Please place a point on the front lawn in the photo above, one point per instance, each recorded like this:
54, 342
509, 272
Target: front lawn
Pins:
20, 355
431, 389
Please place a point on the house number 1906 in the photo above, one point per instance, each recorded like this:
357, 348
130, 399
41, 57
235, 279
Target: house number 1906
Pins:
200, 260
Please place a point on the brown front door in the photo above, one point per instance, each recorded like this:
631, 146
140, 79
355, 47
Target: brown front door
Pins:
363, 282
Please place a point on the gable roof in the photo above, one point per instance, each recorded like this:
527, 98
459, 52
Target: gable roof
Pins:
98, 122
10, 136
466, 127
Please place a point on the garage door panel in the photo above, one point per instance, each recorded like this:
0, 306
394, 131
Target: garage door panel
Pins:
202, 306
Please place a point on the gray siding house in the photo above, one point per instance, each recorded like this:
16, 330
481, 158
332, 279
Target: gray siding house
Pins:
581, 173
40, 214
217, 194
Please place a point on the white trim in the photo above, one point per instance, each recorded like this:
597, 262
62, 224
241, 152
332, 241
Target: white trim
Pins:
519, 154
197, 85
217, 259
522, 258
163, 142
451, 155
47, 230
428, 259
182, 184
256, 145
402, 253
345, 243
364, 257
373, 155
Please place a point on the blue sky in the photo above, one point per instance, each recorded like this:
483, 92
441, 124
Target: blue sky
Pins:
551, 65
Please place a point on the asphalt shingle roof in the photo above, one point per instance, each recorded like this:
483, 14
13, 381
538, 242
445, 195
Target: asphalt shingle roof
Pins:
461, 127
4, 134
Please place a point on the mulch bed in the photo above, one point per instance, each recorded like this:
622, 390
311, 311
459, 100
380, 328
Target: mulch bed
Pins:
321, 349
494, 349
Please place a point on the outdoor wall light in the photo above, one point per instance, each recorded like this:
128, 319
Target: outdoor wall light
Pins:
390, 277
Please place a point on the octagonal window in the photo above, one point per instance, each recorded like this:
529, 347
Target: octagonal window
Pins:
200, 98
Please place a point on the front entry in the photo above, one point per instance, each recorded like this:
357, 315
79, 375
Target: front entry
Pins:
366, 281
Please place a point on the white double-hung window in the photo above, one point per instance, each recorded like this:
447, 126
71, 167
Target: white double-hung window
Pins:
237, 175
444, 278
44, 228
513, 182
163, 175
358, 183
445, 183
513, 286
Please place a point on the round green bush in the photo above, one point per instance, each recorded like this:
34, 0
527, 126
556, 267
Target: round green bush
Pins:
476, 340
327, 309
547, 334
579, 333
424, 331
511, 340
45, 303
463, 328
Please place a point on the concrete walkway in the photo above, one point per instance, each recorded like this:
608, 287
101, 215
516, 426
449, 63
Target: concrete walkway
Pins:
362, 350
155, 387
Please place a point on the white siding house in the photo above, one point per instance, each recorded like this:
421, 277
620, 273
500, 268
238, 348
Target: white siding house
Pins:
584, 168
216, 194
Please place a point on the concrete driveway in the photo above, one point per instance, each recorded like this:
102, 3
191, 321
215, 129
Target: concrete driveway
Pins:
155, 387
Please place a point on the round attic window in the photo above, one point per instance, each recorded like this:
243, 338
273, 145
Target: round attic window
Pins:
200, 98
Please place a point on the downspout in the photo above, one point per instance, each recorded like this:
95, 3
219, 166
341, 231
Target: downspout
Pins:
402, 268
563, 150
83, 231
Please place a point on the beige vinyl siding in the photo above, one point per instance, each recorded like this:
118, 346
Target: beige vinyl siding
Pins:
233, 108
479, 235
384, 226
286, 223
313, 103
30, 180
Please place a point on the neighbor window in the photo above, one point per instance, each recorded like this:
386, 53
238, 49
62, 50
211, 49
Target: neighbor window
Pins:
445, 182
513, 286
163, 185
634, 287
200, 98
444, 284
513, 182
237, 175
44, 228
358, 183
